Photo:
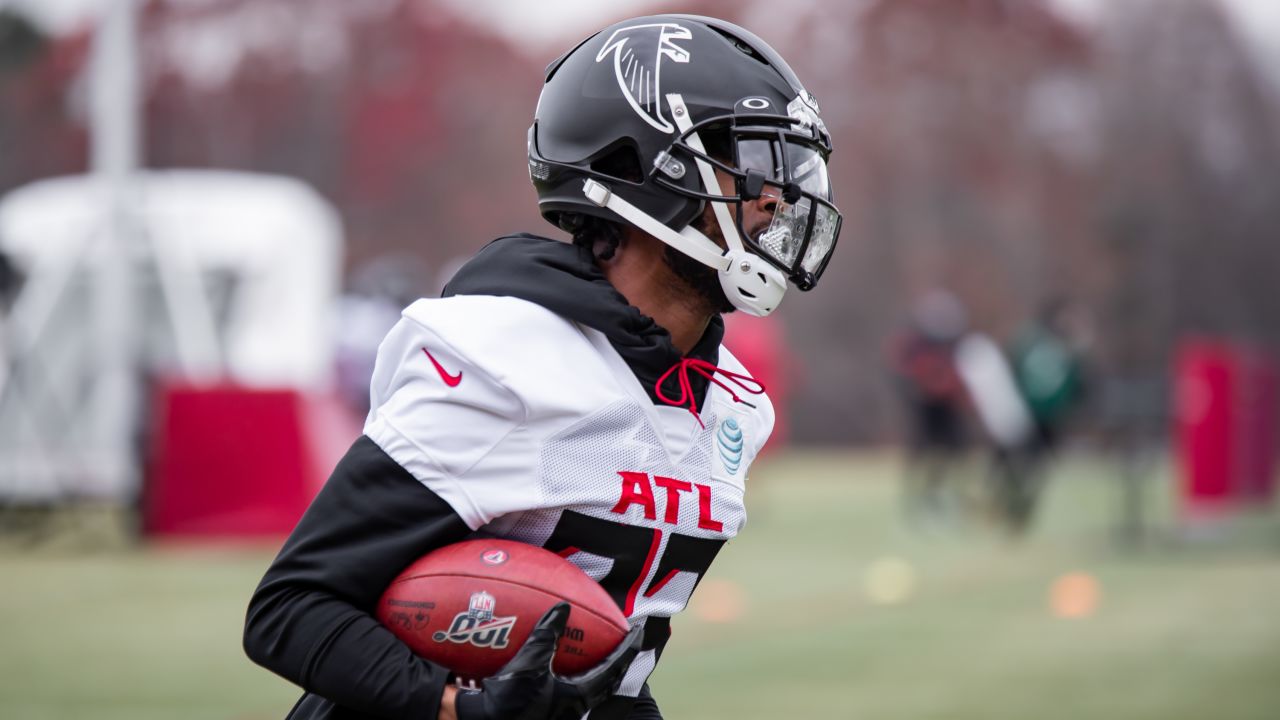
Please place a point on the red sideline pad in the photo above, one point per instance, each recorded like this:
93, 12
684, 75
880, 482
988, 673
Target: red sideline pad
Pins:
1225, 425
226, 461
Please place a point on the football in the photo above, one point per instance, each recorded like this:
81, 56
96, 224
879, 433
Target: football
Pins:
470, 606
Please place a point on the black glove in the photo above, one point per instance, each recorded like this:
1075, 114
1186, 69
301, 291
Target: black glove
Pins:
526, 688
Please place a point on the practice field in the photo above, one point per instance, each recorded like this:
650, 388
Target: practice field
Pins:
829, 606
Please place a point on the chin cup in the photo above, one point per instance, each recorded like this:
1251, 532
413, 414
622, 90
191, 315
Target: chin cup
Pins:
751, 284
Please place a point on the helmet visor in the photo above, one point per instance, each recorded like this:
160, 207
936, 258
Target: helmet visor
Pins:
802, 234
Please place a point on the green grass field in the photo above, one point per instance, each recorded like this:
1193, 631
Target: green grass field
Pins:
784, 627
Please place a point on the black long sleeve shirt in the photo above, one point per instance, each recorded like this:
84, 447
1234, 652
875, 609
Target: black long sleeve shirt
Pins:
311, 618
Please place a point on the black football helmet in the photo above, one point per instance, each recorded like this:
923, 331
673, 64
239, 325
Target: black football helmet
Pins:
633, 122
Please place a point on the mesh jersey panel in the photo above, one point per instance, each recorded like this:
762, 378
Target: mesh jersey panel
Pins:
580, 470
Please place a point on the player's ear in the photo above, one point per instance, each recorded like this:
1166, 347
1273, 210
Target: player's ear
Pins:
626, 240
606, 250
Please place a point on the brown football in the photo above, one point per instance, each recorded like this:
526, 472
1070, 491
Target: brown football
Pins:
470, 606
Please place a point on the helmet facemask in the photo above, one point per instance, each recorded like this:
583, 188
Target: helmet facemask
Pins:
775, 157
783, 157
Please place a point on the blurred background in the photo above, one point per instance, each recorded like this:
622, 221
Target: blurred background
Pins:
1028, 424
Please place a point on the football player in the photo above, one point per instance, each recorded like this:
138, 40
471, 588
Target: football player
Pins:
574, 396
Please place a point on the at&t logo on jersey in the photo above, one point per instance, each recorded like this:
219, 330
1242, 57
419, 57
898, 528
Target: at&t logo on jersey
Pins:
478, 626
730, 440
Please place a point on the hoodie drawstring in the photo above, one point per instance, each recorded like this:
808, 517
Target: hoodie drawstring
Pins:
708, 371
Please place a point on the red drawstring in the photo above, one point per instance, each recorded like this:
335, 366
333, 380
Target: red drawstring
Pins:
708, 371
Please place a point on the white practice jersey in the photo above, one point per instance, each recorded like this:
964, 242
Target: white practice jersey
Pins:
533, 428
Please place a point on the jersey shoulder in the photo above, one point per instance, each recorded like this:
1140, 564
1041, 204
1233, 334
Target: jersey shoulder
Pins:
502, 334
543, 358
464, 389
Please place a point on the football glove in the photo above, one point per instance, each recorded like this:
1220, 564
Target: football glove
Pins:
527, 689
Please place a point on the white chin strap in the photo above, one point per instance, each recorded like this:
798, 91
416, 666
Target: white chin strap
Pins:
751, 284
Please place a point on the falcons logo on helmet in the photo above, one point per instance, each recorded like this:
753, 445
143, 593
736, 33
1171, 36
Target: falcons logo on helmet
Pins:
638, 52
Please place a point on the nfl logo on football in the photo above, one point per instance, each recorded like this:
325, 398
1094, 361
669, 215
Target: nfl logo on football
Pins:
477, 625
481, 609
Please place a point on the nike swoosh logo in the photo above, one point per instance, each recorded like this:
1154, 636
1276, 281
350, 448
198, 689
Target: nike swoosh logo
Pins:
450, 380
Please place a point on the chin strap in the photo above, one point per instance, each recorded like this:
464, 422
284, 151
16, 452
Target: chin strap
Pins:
688, 241
728, 227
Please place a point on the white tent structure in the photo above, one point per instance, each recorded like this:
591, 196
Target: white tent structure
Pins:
204, 276
231, 277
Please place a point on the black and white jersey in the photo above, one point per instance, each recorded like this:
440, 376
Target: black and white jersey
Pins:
533, 428
522, 406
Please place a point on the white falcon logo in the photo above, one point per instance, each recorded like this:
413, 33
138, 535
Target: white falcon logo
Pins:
637, 61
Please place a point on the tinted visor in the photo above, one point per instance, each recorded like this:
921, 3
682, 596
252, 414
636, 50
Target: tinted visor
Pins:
805, 224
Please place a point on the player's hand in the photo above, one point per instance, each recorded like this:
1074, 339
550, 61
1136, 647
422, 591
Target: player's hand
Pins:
574, 696
526, 688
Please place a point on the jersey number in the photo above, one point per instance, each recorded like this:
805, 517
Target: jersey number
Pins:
634, 550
